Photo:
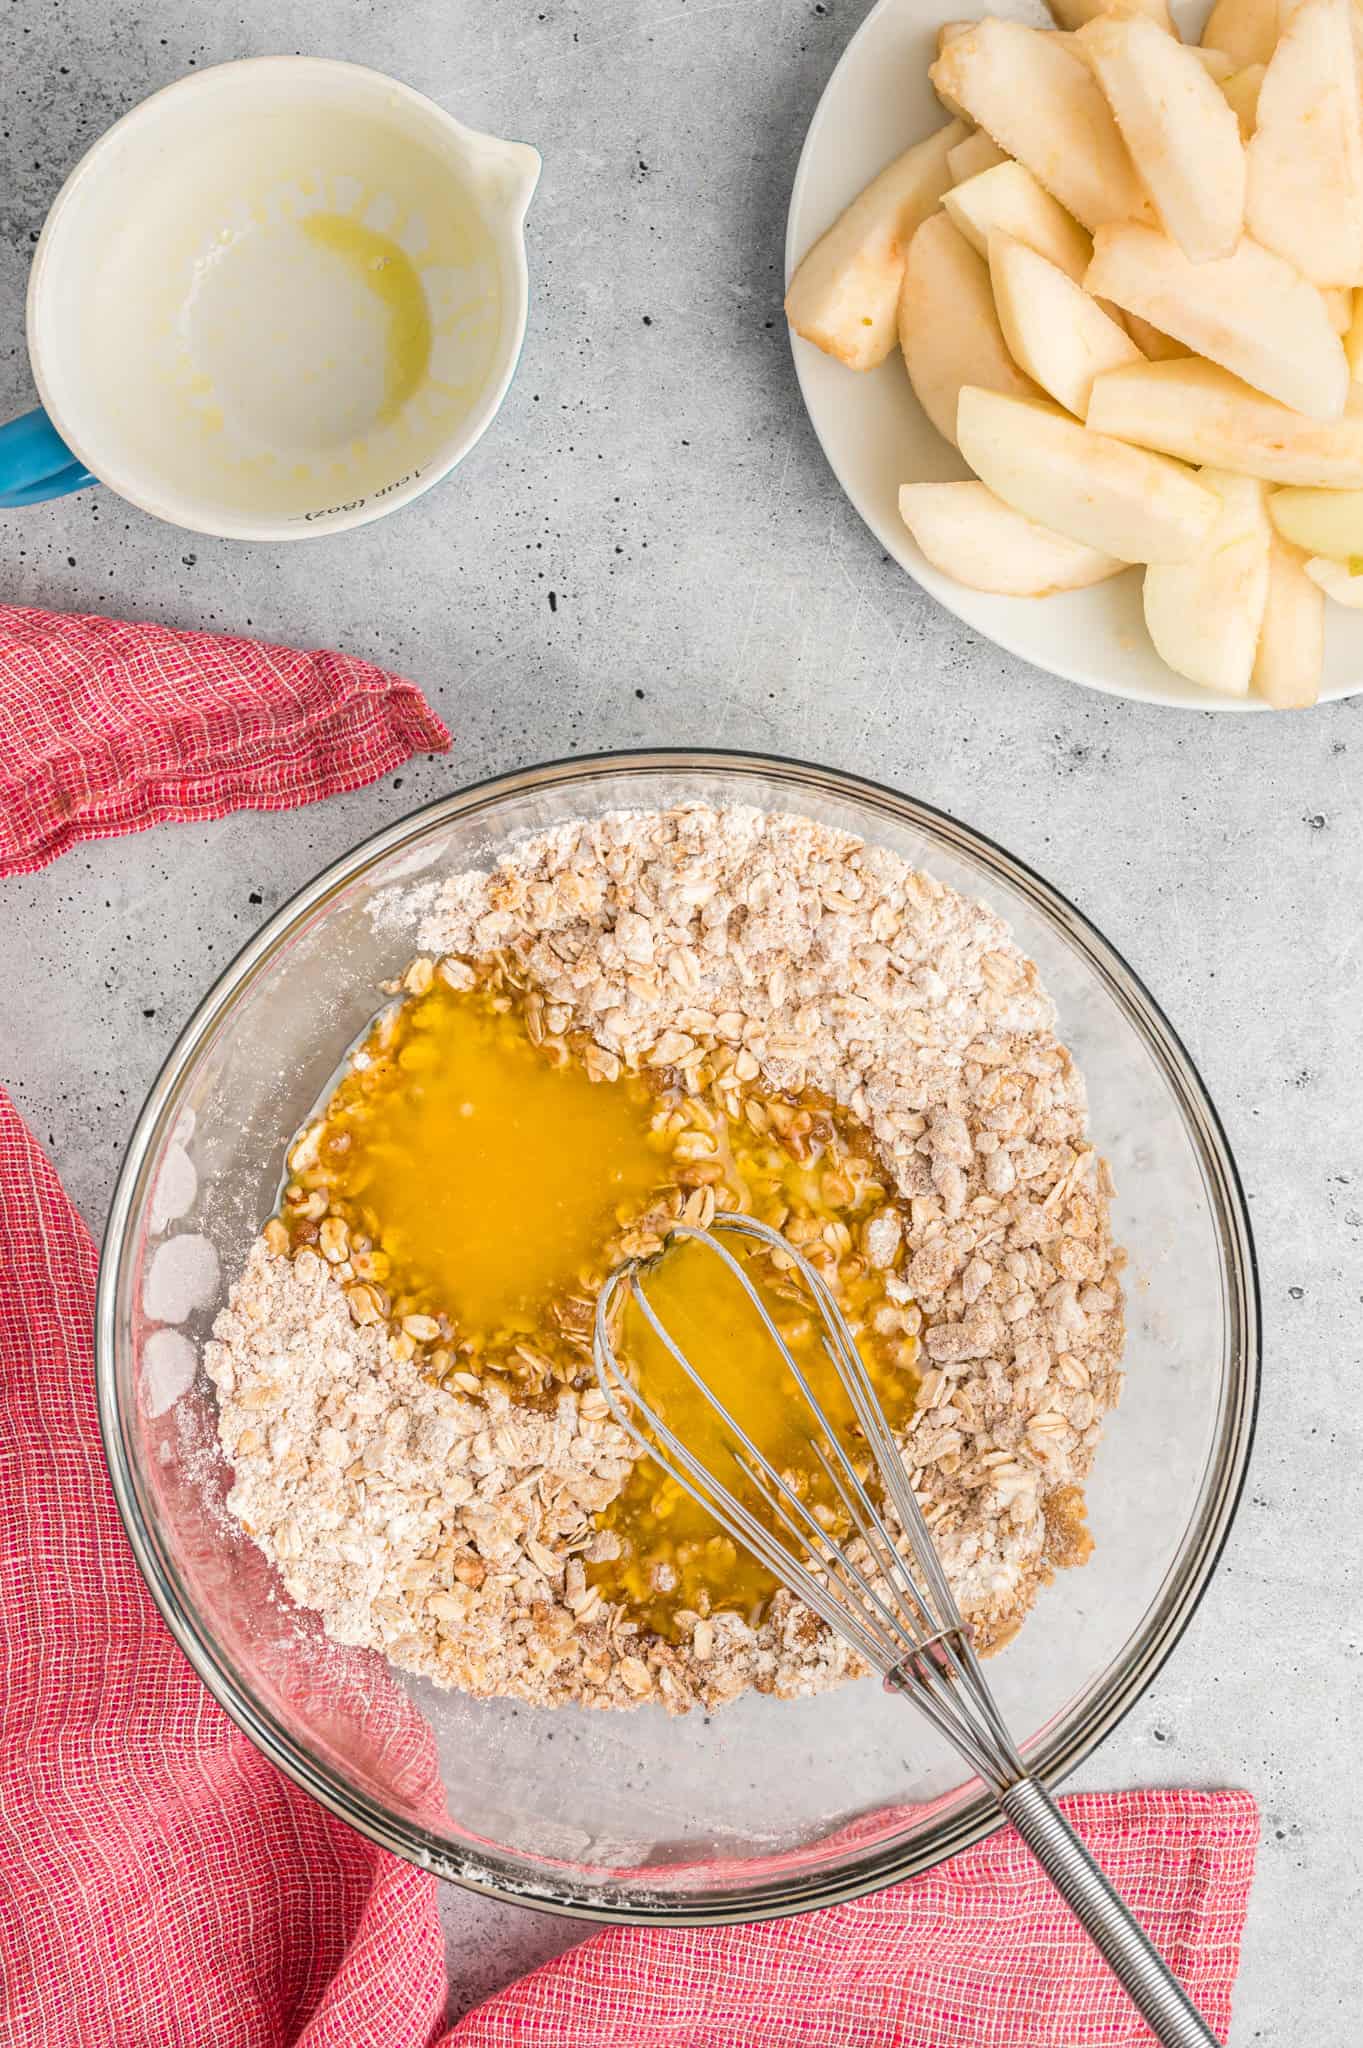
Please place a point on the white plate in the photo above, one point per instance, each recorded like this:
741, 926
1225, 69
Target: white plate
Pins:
874, 433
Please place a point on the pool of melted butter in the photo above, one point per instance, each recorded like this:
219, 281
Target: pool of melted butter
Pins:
490, 1175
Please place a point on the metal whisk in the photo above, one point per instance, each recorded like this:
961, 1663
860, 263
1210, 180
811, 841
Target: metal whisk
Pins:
887, 1596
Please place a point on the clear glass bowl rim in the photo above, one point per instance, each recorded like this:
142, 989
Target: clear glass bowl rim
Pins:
1065, 1747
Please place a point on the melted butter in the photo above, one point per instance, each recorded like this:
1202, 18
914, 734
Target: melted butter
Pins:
384, 268
490, 1176
488, 1180
675, 1556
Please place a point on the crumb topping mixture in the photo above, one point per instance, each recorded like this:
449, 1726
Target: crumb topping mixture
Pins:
463, 1517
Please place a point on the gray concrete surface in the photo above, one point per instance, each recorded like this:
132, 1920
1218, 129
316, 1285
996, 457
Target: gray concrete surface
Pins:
649, 547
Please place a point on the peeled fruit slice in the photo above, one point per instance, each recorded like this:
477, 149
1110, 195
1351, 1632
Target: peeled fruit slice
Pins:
1204, 615
1305, 192
972, 536
1353, 340
1122, 501
1074, 13
1009, 197
977, 153
1241, 94
1042, 105
1337, 580
1339, 310
1215, 63
1175, 121
1291, 656
1054, 330
947, 33
1149, 340
1247, 30
948, 328
1250, 312
845, 295
1202, 414
1321, 522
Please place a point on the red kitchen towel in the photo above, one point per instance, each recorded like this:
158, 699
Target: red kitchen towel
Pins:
978, 1953
164, 1887
107, 727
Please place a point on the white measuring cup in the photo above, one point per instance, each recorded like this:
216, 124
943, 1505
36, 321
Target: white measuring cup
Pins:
277, 299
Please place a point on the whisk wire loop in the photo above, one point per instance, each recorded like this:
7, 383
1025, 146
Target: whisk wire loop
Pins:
900, 1618
683, 1466
937, 1613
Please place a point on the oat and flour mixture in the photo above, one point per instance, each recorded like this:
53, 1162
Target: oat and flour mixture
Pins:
458, 1507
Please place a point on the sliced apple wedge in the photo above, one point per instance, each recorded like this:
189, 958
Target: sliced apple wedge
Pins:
1250, 312
1353, 340
1337, 580
1305, 191
973, 537
845, 295
948, 328
1160, 348
1010, 198
1241, 94
1247, 30
1074, 13
1291, 656
1176, 123
1204, 615
1122, 501
1215, 63
1042, 105
977, 153
1339, 310
1320, 522
1202, 414
1055, 332
948, 33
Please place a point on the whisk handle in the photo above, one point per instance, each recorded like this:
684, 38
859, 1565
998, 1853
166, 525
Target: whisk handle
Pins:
1149, 1983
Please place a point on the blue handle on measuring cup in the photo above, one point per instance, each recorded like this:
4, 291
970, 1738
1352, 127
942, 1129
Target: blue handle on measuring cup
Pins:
35, 462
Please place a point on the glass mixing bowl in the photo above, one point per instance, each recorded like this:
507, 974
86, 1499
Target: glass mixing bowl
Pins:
768, 1806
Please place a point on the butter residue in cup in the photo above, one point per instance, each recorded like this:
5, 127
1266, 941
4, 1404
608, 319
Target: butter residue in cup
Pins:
384, 268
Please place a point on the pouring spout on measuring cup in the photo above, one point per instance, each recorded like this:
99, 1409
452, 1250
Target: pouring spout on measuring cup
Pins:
35, 462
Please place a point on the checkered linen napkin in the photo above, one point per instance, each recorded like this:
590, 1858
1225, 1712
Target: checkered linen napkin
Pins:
161, 1885
107, 728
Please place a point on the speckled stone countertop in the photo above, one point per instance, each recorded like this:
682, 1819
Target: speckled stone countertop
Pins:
648, 547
